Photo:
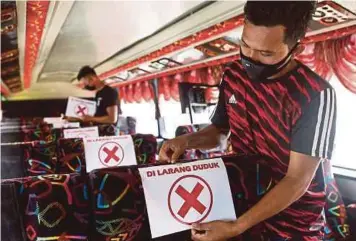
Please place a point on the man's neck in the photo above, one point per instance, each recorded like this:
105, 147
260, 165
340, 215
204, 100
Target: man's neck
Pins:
290, 66
100, 87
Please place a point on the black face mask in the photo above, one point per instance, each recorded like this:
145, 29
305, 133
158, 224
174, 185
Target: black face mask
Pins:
258, 71
87, 87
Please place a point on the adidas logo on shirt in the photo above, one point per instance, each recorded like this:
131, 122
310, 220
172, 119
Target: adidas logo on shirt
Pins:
232, 100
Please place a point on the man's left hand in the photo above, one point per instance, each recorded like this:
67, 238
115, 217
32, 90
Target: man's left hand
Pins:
214, 231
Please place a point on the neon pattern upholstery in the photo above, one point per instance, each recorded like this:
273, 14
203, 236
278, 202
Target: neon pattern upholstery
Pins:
55, 207
337, 227
40, 158
145, 148
118, 205
71, 158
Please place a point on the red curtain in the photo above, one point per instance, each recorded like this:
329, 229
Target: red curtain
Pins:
327, 57
168, 85
341, 55
336, 56
178, 78
122, 93
164, 85
147, 92
129, 94
137, 92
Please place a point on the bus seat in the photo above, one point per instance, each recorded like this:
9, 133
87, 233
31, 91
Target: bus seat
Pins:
118, 205
145, 148
108, 130
127, 125
337, 227
12, 227
43, 132
71, 157
118, 201
40, 158
12, 165
55, 206
351, 211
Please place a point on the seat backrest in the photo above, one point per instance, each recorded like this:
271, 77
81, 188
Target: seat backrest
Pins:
12, 227
337, 226
119, 208
118, 204
12, 165
127, 125
71, 158
40, 158
55, 206
145, 148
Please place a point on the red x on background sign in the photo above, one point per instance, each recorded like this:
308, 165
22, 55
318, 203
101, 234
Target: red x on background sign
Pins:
81, 110
111, 154
190, 199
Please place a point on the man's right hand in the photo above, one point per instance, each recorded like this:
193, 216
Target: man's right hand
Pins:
171, 150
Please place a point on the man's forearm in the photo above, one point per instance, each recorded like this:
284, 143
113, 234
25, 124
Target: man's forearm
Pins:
103, 120
207, 138
279, 198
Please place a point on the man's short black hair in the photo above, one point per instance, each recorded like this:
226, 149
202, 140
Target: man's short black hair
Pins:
293, 15
85, 71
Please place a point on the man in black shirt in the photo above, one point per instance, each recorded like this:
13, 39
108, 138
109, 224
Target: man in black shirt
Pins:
107, 102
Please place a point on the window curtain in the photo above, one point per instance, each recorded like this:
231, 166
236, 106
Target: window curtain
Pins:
326, 57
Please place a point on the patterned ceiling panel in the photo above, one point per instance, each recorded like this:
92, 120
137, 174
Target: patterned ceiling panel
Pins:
10, 73
95, 30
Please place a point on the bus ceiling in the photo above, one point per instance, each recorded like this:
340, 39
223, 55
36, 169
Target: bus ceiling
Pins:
44, 43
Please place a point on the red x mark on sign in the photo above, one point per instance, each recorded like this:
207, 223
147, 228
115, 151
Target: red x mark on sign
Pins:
81, 110
111, 154
190, 199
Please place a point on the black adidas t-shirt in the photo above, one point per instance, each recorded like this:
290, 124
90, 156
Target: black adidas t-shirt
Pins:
105, 98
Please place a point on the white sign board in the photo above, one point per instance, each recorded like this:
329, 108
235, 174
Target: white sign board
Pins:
65, 124
77, 107
51, 120
81, 132
182, 194
109, 151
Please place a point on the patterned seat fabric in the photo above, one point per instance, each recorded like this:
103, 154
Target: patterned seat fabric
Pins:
40, 158
337, 227
43, 132
118, 205
145, 148
108, 130
71, 158
55, 207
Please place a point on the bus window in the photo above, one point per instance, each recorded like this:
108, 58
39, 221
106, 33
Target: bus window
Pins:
345, 126
144, 113
171, 113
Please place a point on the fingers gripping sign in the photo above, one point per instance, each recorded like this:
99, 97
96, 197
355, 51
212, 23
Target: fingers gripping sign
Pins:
171, 150
213, 231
